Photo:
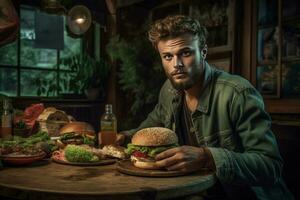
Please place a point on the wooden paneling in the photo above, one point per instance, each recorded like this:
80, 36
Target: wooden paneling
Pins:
288, 139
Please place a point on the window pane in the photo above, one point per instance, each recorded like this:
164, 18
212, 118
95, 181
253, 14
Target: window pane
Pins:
291, 41
34, 57
72, 46
8, 80
8, 54
267, 46
214, 16
267, 79
291, 79
69, 84
267, 12
30, 55
38, 83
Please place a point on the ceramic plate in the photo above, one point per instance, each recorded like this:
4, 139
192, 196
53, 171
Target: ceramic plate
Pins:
126, 167
14, 159
96, 163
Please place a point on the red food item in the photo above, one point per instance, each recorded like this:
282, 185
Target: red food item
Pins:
32, 112
18, 118
139, 154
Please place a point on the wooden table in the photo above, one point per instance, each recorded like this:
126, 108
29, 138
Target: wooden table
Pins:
56, 181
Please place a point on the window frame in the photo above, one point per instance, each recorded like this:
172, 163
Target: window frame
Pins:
57, 69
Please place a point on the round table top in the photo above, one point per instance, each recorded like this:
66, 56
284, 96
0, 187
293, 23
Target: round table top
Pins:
57, 181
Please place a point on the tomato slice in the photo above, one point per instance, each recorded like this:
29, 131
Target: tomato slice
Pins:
139, 154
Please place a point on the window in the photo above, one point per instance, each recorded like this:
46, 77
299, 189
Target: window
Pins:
218, 17
276, 66
31, 65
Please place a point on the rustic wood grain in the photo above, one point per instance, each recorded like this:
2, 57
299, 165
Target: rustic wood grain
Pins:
50, 180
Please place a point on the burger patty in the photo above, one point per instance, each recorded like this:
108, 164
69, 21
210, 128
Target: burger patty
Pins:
73, 141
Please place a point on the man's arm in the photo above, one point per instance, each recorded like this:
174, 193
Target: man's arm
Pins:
260, 162
9, 22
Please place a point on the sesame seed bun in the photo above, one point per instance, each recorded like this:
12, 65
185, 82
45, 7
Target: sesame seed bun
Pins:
154, 136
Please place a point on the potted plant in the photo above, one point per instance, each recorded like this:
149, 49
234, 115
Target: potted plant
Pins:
87, 76
95, 77
140, 75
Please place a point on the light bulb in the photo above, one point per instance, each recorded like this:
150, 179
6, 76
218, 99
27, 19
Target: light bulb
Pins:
80, 20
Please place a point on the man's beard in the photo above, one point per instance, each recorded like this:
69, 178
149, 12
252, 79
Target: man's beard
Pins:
194, 77
183, 85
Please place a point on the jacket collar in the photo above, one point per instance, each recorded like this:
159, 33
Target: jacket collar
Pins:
206, 93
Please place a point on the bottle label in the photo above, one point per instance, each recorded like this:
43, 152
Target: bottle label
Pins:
6, 121
6, 127
108, 126
107, 138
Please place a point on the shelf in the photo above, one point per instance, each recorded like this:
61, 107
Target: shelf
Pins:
72, 101
262, 63
291, 59
291, 19
286, 123
279, 106
266, 26
56, 100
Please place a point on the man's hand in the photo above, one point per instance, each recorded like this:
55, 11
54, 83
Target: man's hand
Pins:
185, 158
120, 139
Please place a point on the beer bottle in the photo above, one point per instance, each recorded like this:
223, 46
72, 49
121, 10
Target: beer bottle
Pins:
6, 120
108, 128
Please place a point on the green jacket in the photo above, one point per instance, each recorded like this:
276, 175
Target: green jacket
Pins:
231, 121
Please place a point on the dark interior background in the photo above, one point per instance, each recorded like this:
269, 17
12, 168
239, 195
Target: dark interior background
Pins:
127, 19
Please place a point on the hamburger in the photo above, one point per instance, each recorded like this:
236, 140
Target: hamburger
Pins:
147, 143
76, 133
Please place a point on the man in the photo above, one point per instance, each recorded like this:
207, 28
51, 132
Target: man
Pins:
219, 118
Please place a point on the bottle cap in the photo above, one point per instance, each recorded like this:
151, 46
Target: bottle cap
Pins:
108, 107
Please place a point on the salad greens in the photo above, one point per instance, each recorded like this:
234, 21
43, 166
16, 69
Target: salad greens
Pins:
75, 153
26, 143
71, 135
150, 151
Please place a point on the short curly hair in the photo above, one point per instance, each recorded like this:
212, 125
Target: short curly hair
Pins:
176, 25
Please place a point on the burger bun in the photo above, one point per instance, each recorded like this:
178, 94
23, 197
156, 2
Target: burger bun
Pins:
78, 127
154, 136
144, 164
79, 130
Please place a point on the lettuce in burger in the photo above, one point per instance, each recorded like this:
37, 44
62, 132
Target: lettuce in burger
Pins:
77, 133
147, 143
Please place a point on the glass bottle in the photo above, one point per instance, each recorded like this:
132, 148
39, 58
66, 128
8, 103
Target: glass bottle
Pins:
6, 120
108, 128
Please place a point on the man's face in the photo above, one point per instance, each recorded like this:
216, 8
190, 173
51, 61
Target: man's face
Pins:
181, 59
